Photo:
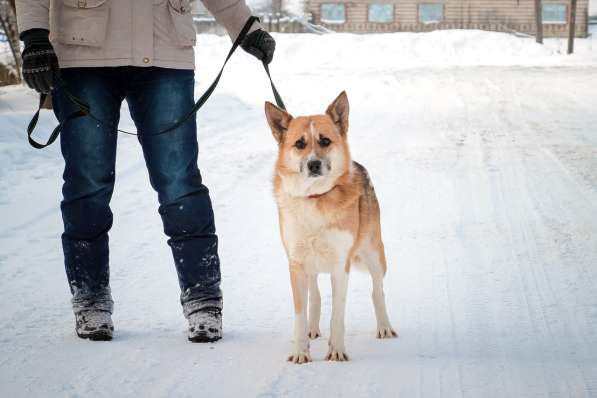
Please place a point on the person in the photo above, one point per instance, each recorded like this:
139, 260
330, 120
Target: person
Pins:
107, 51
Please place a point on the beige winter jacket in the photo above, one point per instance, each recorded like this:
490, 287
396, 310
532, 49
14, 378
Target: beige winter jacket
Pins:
126, 32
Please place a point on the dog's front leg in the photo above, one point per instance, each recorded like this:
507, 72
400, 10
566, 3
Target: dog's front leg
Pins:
314, 307
298, 280
336, 351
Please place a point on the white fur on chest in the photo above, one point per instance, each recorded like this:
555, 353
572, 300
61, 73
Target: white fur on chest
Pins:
309, 239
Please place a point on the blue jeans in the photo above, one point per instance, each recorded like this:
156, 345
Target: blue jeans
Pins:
156, 98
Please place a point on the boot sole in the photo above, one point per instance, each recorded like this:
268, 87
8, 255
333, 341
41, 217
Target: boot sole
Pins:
96, 336
203, 338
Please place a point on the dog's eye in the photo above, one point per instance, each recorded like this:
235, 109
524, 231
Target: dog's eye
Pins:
325, 141
300, 144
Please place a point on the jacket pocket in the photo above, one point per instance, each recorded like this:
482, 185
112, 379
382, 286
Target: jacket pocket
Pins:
182, 21
83, 22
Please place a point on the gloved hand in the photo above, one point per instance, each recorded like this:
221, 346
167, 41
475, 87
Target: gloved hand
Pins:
260, 44
40, 64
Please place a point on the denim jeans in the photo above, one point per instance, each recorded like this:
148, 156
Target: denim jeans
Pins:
156, 98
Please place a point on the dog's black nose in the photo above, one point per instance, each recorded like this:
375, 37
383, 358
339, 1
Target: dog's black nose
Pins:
314, 167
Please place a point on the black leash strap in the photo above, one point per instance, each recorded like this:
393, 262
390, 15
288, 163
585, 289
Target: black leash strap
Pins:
85, 109
277, 96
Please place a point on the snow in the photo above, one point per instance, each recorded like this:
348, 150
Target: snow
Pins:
294, 7
483, 152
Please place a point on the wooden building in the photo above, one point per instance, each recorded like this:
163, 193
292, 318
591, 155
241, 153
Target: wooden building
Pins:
362, 16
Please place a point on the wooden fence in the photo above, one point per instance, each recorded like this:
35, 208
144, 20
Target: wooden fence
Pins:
271, 22
285, 24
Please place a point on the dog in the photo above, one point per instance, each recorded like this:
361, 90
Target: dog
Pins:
329, 221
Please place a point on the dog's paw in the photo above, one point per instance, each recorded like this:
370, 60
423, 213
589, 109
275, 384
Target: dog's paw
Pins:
336, 355
314, 333
386, 332
299, 358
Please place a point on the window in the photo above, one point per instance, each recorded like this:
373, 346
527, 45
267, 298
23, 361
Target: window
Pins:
332, 13
381, 12
554, 13
431, 12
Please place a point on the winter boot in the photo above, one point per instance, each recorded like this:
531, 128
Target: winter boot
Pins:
205, 325
94, 325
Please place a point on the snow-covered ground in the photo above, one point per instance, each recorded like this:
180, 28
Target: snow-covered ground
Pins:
483, 151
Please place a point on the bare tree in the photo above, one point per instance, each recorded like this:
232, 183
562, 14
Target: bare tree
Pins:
572, 25
539, 20
8, 22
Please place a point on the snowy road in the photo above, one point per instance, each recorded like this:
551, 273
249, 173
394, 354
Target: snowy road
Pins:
487, 178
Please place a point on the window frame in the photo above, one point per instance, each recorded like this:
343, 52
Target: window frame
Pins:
393, 12
436, 3
554, 22
329, 21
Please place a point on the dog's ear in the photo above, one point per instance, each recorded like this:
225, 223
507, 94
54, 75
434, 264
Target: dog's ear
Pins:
338, 111
278, 120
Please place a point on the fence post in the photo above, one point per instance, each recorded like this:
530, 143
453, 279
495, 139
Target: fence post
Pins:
572, 26
539, 21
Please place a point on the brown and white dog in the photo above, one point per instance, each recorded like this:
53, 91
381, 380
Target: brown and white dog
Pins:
329, 221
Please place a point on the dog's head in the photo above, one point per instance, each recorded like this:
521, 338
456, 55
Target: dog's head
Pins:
313, 150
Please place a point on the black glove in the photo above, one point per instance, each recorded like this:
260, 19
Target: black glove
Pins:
260, 44
40, 64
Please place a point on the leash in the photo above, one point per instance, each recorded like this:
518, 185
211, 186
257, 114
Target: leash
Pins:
85, 109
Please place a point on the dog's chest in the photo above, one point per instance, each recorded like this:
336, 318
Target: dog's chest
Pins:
312, 239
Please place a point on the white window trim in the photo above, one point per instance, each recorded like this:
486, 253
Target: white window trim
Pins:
332, 21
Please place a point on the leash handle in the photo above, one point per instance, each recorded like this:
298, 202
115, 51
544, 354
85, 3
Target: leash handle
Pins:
55, 132
85, 109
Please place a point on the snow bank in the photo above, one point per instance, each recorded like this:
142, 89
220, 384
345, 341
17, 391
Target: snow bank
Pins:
342, 58
445, 48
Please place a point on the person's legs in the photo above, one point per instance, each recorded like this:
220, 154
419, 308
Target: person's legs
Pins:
157, 98
89, 151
